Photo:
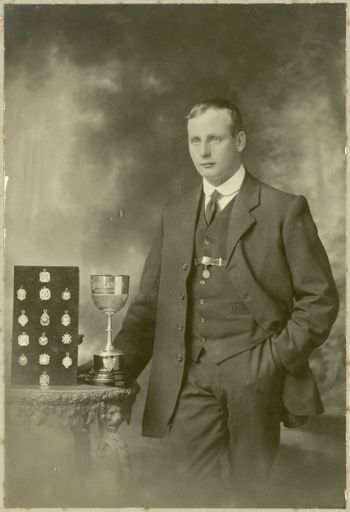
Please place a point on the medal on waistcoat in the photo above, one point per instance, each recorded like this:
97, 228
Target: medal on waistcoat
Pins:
206, 273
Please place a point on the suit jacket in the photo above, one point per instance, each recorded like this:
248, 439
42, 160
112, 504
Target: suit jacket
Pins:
278, 267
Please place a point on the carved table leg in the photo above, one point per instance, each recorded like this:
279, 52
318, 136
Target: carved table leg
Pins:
112, 452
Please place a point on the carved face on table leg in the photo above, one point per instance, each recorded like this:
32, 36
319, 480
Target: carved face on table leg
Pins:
113, 417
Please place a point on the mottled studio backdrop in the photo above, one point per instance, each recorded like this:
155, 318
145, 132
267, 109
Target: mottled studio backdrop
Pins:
96, 136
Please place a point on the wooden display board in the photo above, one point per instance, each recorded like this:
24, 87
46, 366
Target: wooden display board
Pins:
45, 325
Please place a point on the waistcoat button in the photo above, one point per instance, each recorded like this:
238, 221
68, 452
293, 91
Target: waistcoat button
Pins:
202, 320
207, 242
202, 282
184, 266
180, 327
201, 301
203, 339
179, 358
182, 296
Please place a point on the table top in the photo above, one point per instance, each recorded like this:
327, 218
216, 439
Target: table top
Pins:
80, 393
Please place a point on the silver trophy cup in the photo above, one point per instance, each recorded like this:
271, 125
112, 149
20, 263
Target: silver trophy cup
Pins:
109, 294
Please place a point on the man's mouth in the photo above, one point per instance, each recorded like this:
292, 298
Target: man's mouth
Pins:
207, 165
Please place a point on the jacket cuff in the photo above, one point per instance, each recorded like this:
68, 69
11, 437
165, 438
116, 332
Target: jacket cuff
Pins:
289, 359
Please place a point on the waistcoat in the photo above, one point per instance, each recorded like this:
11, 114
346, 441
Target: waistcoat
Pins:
218, 321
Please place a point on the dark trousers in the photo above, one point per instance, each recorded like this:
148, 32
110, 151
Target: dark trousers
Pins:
228, 413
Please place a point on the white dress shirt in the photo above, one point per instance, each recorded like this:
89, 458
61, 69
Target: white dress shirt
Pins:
228, 190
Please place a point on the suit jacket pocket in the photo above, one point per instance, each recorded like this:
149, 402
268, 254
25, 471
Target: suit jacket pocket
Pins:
239, 308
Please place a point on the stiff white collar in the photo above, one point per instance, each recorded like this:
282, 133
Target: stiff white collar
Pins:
229, 187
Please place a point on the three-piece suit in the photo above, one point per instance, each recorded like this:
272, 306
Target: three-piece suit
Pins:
250, 326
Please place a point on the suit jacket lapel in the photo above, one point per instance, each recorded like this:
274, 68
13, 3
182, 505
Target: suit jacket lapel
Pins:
241, 218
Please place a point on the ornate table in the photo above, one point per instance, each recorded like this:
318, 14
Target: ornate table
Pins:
78, 408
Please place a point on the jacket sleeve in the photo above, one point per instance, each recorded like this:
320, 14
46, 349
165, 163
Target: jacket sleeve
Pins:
136, 336
316, 301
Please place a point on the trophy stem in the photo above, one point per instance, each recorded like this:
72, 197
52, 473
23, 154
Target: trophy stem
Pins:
108, 347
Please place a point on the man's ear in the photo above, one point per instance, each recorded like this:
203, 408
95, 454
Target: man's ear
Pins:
240, 141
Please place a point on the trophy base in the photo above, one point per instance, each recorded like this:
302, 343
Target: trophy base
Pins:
108, 371
100, 378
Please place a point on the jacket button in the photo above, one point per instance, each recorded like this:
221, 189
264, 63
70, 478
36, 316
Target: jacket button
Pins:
207, 242
182, 296
180, 327
179, 358
184, 266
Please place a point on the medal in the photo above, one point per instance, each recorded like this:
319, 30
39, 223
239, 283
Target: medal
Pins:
43, 340
21, 293
23, 340
45, 319
22, 360
66, 295
44, 276
65, 320
23, 319
66, 338
45, 293
67, 361
44, 379
44, 359
206, 273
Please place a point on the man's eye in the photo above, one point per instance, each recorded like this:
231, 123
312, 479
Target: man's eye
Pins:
215, 139
195, 141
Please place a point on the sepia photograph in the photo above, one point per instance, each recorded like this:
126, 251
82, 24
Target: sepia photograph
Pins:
175, 255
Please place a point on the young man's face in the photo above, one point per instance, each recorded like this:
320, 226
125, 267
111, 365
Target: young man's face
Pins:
215, 152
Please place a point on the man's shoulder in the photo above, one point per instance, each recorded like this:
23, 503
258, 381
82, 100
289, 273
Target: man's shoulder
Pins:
184, 200
270, 191
274, 197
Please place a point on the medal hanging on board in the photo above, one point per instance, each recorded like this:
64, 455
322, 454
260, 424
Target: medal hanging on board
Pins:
23, 319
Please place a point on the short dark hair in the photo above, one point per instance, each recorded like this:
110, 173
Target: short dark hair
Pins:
220, 104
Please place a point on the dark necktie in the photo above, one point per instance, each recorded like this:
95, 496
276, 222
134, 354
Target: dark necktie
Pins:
212, 208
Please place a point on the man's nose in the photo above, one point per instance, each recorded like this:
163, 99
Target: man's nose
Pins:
204, 149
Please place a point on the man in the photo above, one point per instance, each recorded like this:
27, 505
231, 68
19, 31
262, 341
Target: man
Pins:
236, 293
